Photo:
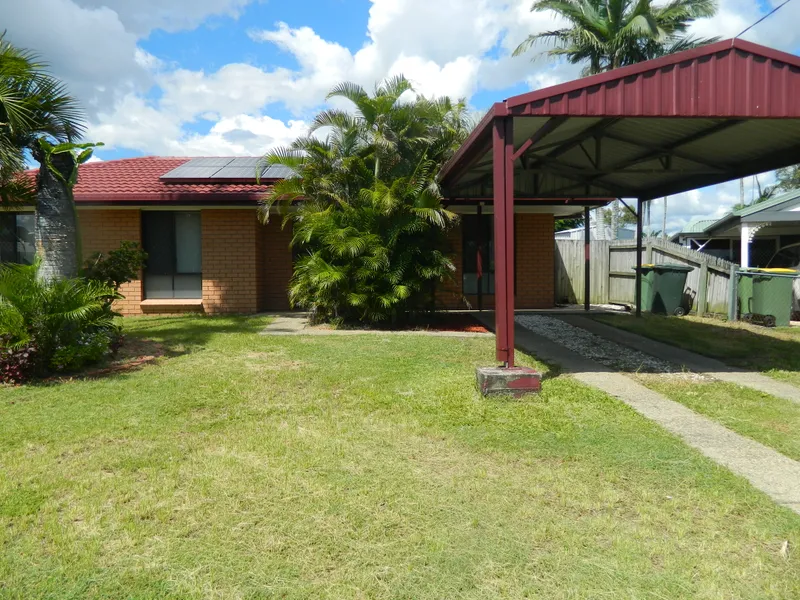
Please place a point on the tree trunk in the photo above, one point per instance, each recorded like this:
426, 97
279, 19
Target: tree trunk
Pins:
57, 244
614, 219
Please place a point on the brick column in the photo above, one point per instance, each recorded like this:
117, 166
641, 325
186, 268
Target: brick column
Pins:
277, 265
535, 261
103, 230
230, 277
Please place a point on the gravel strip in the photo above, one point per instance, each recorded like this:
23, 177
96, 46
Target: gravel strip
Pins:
594, 347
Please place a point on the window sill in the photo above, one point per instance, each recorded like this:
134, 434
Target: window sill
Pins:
172, 302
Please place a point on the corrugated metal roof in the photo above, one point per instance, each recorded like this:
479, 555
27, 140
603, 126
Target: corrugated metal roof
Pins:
767, 204
698, 224
681, 122
732, 78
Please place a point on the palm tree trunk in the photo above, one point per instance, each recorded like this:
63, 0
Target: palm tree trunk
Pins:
57, 244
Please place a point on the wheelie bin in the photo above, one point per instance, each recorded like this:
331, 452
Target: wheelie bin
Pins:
663, 289
765, 296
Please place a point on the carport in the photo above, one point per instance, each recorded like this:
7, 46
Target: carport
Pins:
677, 123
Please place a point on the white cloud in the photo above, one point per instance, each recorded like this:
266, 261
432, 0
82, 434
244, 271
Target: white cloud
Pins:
143, 16
139, 126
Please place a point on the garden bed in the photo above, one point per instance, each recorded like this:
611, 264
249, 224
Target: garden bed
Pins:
437, 322
132, 355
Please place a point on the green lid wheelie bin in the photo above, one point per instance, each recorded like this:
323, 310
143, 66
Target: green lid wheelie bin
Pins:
663, 289
765, 296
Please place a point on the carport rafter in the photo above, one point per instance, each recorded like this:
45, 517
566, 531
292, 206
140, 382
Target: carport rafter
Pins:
663, 152
566, 145
549, 127
782, 157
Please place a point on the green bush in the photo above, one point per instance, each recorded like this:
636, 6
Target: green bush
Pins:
117, 267
371, 230
68, 322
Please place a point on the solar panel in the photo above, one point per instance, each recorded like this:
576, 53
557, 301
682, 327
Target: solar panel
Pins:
210, 161
277, 172
226, 168
245, 161
248, 172
191, 172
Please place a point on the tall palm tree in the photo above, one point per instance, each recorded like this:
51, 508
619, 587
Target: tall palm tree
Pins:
607, 34
35, 106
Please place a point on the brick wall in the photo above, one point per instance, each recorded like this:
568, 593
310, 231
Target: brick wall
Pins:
103, 230
535, 256
448, 294
230, 277
277, 266
535, 261
247, 265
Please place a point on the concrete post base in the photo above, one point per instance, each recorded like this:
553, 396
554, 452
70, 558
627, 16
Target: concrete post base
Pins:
517, 381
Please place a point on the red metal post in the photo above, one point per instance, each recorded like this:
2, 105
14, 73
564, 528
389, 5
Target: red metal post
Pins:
587, 267
503, 173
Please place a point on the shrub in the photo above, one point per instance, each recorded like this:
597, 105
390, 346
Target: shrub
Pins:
371, 230
67, 323
86, 349
17, 365
117, 267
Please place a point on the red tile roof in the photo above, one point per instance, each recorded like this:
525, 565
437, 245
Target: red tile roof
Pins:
137, 181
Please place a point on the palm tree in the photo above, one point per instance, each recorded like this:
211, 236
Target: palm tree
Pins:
35, 106
607, 34
370, 229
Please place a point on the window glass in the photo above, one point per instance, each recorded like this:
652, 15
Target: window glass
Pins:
7, 238
478, 253
26, 247
17, 237
188, 247
174, 254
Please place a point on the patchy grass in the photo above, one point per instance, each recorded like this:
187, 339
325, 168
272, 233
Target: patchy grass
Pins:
774, 422
774, 352
368, 466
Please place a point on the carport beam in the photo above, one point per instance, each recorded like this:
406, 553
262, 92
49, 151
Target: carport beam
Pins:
639, 235
587, 245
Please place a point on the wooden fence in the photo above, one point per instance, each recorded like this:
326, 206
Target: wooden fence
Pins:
613, 277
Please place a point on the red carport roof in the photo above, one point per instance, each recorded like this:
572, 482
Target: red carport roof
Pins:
138, 181
680, 122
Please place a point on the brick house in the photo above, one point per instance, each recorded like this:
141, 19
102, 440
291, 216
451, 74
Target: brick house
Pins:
198, 221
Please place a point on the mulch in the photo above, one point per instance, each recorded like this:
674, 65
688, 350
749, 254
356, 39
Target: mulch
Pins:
446, 322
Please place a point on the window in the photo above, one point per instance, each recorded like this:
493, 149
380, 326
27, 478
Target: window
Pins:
477, 233
16, 237
172, 243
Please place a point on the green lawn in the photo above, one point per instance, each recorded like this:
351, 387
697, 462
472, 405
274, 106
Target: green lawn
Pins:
244, 466
774, 422
774, 352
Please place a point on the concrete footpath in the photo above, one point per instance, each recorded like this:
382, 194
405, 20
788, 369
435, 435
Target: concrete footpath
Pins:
684, 358
767, 470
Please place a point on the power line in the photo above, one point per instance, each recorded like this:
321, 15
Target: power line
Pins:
766, 16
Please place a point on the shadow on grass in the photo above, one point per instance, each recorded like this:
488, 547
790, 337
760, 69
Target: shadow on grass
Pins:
187, 334
733, 344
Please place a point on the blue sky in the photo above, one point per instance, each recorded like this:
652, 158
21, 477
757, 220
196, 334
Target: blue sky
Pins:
237, 77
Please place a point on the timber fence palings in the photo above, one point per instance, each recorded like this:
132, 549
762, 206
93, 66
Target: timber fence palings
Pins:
613, 277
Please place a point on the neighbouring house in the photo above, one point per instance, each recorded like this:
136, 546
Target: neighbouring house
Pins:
597, 232
208, 252
766, 234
